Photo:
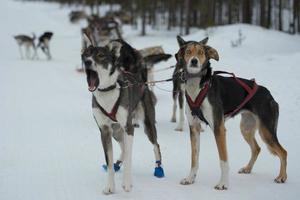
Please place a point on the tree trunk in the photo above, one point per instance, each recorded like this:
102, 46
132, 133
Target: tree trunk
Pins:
263, 13
143, 10
181, 18
170, 14
294, 16
269, 18
298, 14
247, 11
214, 6
280, 16
98, 8
229, 11
220, 12
187, 17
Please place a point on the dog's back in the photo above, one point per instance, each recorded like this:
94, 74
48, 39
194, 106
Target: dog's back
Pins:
22, 39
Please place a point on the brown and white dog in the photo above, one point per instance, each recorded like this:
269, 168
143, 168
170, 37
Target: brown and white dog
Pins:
218, 97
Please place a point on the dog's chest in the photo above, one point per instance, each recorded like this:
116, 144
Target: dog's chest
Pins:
206, 109
107, 102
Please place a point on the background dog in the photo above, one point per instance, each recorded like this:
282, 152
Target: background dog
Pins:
116, 74
223, 95
44, 40
28, 43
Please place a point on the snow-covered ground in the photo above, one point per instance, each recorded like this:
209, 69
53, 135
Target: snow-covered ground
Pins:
50, 145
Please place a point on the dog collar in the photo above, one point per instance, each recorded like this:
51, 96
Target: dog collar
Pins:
109, 88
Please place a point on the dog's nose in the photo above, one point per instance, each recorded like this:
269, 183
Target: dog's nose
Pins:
87, 63
194, 61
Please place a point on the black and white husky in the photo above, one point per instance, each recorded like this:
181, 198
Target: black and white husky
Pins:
27, 42
44, 40
116, 74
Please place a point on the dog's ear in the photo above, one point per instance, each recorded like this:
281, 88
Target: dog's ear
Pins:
212, 53
180, 55
180, 41
88, 39
204, 41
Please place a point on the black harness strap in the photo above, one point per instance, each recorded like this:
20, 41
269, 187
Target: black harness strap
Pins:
109, 88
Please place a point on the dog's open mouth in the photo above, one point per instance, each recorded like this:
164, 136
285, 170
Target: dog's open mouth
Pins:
92, 79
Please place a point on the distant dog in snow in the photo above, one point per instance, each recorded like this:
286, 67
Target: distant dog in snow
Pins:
27, 42
44, 43
116, 76
212, 98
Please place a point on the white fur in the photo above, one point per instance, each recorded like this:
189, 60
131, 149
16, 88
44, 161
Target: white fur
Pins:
173, 119
181, 112
127, 178
110, 187
207, 111
224, 182
193, 173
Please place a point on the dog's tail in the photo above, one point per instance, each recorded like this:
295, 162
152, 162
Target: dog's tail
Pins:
154, 59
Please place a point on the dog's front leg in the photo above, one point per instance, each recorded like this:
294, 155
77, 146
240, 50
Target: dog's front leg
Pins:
128, 139
220, 136
195, 144
106, 138
181, 111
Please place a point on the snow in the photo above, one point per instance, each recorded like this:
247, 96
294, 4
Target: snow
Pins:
50, 145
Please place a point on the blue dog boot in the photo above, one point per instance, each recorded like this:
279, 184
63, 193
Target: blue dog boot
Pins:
104, 167
159, 171
117, 166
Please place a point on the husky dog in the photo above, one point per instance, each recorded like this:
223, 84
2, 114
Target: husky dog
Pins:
178, 95
27, 42
104, 29
116, 74
212, 98
76, 16
44, 43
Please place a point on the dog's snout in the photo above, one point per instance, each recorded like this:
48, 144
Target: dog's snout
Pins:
87, 63
194, 61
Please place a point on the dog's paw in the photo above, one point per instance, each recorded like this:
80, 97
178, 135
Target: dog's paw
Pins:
187, 181
245, 170
110, 189
222, 186
127, 187
179, 129
280, 179
173, 120
159, 172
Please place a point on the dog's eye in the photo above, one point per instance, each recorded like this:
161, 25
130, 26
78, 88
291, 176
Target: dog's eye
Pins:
200, 52
88, 51
188, 52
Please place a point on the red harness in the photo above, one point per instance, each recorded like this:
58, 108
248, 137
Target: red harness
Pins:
195, 105
114, 110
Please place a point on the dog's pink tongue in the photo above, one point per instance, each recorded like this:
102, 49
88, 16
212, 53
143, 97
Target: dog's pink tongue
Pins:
92, 86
